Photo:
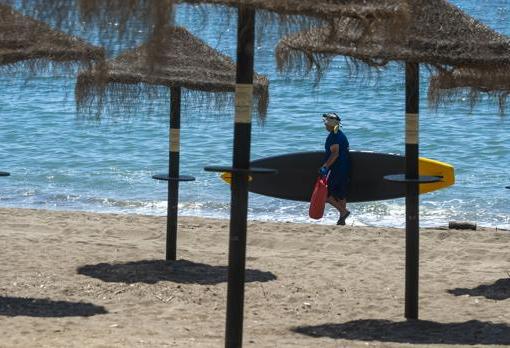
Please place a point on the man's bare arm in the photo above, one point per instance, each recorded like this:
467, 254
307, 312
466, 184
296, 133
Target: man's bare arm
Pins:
335, 152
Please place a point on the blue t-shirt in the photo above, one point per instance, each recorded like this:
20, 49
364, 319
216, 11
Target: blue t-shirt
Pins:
340, 168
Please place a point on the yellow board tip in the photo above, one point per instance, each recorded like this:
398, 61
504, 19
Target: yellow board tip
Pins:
227, 177
427, 166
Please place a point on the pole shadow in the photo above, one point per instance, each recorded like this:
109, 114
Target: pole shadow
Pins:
32, 307
180, 271
499, 291
413, 332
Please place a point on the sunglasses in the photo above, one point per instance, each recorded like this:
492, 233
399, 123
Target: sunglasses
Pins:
329, 116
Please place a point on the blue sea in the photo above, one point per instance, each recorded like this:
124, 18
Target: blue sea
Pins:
60, 161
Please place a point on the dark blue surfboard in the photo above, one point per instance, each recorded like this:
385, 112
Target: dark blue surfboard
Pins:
297, 173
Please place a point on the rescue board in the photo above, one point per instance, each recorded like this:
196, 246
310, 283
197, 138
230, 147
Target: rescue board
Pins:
297, 173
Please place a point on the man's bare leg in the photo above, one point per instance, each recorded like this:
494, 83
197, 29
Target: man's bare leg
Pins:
341, 206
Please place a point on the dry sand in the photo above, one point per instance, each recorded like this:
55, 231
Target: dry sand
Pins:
72, 279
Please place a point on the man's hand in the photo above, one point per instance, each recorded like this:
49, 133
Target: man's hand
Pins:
323, 171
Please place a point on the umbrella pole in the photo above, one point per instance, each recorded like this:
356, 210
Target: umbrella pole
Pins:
412, 199
173, 173
239, 187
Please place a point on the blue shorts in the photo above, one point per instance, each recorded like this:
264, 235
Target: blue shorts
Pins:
337, 187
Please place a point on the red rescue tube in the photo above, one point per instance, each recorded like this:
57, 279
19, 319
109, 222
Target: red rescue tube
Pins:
319, 197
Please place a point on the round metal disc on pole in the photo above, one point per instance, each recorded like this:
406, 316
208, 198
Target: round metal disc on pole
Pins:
251, 170
166, 177
402, 178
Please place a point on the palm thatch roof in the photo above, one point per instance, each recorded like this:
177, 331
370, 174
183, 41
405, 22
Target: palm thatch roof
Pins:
182, 60
23, 39
323, 9
115, 20
447, 86
441, 36
131, 16
158, 12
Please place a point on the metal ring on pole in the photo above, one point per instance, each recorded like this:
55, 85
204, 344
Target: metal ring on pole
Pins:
253, 170
4, 174
166, 177
401, 178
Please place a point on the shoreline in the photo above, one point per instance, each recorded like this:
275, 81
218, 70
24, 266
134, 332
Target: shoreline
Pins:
227, 218
74, 279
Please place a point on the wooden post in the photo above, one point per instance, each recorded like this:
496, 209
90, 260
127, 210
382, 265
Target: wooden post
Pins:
412, 199
239, 187
173, 173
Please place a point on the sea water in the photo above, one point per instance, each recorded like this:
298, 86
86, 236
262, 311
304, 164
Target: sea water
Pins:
60, 161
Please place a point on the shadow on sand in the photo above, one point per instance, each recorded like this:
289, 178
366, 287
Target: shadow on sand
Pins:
500, 290
180, 271
414, 331
31, 307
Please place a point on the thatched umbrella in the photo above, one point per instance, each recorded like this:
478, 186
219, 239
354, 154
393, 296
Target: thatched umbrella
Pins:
122, 21
441, 36
115, 21
29, 44
183, 62
323, 9
446, 85
34, 43
155, 14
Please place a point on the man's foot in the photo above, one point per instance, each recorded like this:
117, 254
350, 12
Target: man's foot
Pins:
341, 221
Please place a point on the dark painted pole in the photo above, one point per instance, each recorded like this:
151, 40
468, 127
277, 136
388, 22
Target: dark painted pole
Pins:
412, 200
173, 172
239, 187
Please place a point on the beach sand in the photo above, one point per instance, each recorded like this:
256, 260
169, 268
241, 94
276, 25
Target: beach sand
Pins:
74, 279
